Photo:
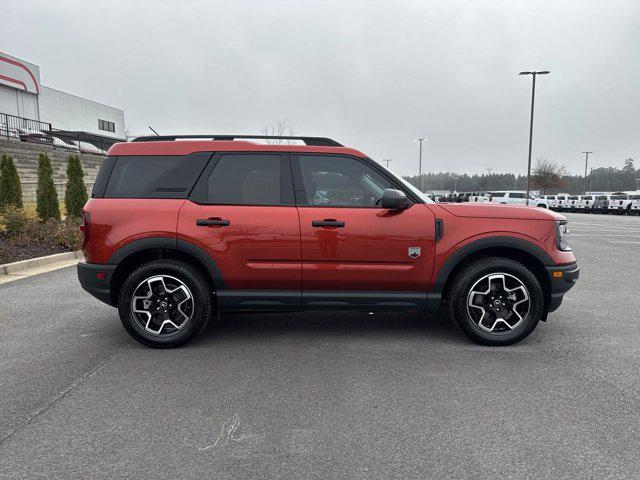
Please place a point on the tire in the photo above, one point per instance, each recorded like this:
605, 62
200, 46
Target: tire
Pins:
179, 282
514, 327
542, 205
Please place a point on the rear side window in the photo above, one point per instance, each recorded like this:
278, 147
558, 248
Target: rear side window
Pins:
516, 195
167, 176
496, 194
100, 185
246, 179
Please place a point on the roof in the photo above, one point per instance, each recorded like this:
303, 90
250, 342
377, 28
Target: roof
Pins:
186, 147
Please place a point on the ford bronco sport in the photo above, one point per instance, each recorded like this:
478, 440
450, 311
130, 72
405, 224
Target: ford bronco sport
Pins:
181, 228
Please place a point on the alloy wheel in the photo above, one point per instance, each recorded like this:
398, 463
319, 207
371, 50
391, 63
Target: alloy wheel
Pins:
498, 302
162, 305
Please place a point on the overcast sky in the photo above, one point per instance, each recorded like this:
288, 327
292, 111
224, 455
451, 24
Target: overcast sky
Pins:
372, 75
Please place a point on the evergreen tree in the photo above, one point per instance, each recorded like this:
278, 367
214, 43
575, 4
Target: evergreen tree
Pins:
75, 195
10, 188
47, 198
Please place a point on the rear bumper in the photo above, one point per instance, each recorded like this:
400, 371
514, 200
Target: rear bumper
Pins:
96, 279
562, 278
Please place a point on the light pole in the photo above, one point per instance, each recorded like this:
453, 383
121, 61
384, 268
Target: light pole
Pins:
420, 140
387, 160
455, 184
590, 179
586, 162
637, 183
533, 97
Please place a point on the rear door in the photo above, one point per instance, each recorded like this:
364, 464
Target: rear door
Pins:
242, 214
353, 251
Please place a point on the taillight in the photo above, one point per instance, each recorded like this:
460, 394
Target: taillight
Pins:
85, 228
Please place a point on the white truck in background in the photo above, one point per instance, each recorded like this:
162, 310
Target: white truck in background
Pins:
513, 197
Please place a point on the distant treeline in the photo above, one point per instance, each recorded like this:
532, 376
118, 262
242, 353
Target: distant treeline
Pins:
608, 179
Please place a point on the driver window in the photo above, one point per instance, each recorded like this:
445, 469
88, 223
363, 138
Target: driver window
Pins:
335, 181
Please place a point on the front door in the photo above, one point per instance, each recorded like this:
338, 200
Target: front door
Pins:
355, 253
242, 214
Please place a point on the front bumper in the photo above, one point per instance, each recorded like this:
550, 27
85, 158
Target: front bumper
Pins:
562, 278
96, 279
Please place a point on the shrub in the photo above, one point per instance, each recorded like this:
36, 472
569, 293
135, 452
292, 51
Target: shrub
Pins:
10, 189
76, 192
47, 197
15, 221
68, 235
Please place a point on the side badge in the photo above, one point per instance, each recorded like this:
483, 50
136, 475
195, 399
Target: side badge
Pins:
414, 252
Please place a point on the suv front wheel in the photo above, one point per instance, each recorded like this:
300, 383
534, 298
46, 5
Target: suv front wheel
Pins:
164, 303
496, 301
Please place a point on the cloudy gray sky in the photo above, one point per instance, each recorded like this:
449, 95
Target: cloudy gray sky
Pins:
373, 75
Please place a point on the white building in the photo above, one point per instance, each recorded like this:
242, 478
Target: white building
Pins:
26, 104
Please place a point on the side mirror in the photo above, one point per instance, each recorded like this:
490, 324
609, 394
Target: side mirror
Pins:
394, 200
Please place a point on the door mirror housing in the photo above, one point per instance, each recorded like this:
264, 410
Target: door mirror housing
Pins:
394, 200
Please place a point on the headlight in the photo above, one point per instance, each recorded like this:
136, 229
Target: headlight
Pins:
563, 235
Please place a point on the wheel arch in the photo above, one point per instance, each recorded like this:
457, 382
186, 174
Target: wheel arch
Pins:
134, 254
530, 255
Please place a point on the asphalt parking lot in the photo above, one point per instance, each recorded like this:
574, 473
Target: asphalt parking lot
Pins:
326, 395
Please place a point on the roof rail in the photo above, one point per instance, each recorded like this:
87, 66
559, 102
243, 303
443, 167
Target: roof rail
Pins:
311, 141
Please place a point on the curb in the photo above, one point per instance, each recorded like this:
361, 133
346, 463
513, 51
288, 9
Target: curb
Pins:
9, 268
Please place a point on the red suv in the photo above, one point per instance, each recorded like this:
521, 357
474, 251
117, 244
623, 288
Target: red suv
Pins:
182, 227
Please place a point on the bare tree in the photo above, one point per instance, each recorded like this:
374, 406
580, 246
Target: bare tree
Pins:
547, 174
277, 129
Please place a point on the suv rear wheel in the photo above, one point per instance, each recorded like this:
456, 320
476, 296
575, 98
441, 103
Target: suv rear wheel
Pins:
496, 301
164, 303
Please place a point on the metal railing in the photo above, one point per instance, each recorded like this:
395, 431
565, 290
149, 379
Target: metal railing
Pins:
35, 131
25, 129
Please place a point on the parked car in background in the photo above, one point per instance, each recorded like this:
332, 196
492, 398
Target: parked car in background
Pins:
34, 136
476, 197
573, 203
561, 200
65, 145
550, 199
586, 203
600, 204
634, 208
619, 203
510, 197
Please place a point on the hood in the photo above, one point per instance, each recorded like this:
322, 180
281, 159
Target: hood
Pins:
486, 210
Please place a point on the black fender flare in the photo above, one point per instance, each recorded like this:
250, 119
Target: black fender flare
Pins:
435, 295
170, 243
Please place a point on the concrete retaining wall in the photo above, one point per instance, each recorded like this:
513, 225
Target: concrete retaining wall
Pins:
25, 156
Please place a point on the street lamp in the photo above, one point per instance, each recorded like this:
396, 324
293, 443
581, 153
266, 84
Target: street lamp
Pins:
586, 162
455, 184
387, 160
533, 96
420, 140
590, 179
